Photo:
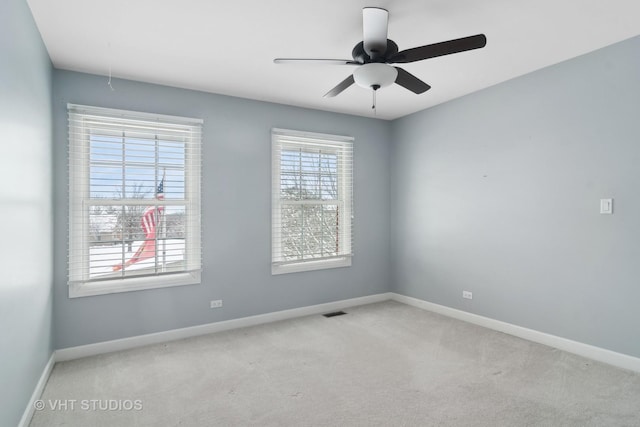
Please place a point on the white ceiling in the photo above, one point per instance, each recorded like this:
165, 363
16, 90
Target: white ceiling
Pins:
228, 47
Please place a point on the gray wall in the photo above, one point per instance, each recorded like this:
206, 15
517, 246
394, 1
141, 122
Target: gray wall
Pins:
236, 214
498, 193
25, 209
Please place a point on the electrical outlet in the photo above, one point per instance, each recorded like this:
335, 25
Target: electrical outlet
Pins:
216, 303
467, 294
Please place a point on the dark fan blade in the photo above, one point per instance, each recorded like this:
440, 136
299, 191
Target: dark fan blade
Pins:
341, 86
374, 30
439, 49
411, 82
315, 60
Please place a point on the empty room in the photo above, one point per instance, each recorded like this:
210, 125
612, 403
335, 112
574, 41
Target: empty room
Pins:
320, 213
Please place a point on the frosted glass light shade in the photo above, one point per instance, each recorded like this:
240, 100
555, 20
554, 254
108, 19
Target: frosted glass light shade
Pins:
372, 74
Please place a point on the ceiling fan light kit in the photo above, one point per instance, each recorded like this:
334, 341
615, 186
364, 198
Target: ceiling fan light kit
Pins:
375, 75
375, 52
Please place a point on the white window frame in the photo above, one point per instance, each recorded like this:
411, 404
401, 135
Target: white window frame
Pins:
79, 198
345, 184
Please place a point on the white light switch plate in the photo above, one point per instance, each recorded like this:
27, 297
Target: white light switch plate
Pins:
606, 206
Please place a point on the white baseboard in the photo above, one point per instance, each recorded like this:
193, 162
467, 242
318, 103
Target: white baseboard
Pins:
176, 334
29, 410
585, 350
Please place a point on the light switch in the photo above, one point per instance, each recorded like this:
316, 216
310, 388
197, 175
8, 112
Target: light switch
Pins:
606, 206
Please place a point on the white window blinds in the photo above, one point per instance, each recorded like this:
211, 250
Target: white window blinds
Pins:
134, 192
312, 201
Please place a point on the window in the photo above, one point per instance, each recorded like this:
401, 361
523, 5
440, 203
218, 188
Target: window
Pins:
312, 206
134, 201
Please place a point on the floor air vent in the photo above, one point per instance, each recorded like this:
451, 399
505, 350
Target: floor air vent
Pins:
335, 313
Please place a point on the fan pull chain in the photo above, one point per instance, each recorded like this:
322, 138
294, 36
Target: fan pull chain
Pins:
373, 107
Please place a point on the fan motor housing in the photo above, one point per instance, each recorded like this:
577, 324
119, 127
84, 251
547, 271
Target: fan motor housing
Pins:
359, 55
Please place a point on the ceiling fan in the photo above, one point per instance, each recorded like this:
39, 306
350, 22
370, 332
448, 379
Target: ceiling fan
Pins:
375, 52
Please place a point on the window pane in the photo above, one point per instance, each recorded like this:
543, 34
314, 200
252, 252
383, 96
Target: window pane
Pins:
329, 163
320, 231
289, 186
105, 148
173, 183
309, 161
329, 187
291, 232
134, 240
105, 182
310, 185
140, 182
330, 230
290, 161
309, 231
308, 175
140, 151
171, 153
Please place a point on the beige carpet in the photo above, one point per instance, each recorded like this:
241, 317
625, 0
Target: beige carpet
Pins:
383, 364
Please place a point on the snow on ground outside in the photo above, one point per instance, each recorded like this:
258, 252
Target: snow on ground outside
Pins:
103, 258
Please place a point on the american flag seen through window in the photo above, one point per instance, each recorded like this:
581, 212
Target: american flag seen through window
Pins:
151, 218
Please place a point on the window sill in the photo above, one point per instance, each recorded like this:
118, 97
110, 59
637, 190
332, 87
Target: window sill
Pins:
133, 284
310, 265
